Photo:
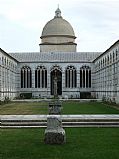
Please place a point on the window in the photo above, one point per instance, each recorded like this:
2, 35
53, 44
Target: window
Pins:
85, 77
70, 77
41, 77
26, 77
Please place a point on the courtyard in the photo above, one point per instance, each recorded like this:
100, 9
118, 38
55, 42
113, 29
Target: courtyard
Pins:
69, 107
85, 143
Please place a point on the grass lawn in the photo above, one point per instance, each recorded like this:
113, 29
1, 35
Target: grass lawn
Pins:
24, 108
82, 143
68, 108
88, 108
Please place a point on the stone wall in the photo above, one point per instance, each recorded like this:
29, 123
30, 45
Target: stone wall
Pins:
106, 74
8, 74
46, 92
58, 48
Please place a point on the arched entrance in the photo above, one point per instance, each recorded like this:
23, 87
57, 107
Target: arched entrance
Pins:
56, 76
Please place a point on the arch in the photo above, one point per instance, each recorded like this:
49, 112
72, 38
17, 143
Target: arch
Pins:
113, 56
56, 77
41, 77
101, 63
70, 77
26, 77
85, 77
110, 58
116, 55
2, 60
56, 67
105, 61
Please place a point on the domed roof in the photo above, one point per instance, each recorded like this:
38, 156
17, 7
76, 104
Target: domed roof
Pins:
58, 27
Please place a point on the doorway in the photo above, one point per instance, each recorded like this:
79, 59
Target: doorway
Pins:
58, 75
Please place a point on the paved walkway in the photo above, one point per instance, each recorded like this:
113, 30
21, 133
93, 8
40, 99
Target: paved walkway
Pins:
37, 121
68, 117
61, 99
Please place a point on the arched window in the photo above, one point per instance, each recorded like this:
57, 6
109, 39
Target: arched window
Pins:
5, 61
101, 63
105, 61
108, 59
2, 60
85, 77
113, 57
70, 77
116, 54
26, 77
41, 77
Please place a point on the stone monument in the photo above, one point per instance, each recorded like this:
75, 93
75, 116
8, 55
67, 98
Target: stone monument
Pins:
55, 105
54, 133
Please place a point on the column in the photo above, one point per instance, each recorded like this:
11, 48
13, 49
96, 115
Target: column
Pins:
71, 79
85, 78
88, 78
33, 77
40, 78
63, 81
26, 78
29, 78
82, 78
37, 78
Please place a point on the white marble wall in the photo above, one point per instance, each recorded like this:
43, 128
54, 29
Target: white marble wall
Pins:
8, 74
106, 74
57, 39
58, 48
46, 92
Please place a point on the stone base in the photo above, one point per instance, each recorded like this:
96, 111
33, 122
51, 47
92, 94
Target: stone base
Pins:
55, 136
55, 107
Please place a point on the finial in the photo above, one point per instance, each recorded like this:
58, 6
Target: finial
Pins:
58, 12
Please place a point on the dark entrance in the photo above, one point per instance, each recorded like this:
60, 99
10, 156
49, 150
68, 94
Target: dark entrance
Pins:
85, 95
56, 73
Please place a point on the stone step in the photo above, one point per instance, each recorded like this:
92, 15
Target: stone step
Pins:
63, 117
65, 124
17, 121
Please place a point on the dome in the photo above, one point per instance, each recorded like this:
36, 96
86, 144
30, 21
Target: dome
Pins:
58, 27
58, 35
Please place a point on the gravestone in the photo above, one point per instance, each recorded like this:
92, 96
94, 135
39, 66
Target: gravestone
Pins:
54, 134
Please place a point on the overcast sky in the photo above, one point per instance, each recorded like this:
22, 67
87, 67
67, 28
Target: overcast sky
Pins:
95, 22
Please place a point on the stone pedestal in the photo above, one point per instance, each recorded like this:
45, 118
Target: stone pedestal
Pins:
55, 107
54, 134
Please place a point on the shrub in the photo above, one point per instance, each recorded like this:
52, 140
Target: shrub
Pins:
104, 99
6, 100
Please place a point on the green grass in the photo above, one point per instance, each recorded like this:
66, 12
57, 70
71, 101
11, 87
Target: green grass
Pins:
82, 143
68, 108
24, 108
88, 108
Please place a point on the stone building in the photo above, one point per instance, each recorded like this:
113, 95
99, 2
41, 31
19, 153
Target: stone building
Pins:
79, 74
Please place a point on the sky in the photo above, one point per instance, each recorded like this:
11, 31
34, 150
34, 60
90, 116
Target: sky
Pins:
95, 23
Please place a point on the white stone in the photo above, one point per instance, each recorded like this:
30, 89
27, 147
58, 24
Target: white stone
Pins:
58, 50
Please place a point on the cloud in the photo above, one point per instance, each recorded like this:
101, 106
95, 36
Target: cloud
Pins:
94, 21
